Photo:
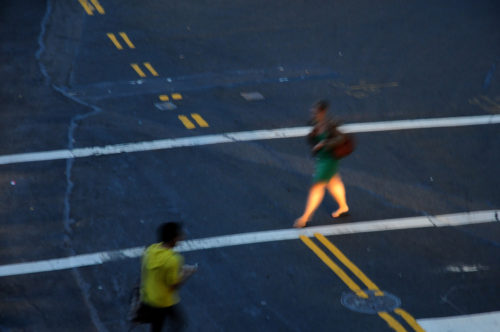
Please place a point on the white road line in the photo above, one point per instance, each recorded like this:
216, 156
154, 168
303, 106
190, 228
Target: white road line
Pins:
456, 219
245, 136
485, 322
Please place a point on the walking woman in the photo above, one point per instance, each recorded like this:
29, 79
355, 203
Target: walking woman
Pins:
324, 137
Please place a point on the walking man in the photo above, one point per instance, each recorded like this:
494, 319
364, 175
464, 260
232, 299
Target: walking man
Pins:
162, 273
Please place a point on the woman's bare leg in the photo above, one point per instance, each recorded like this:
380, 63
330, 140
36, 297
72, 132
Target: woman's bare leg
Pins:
316, 194
336, 188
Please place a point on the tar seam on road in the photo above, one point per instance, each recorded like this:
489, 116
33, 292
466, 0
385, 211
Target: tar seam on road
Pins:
82, 285
489, 77
244, 136
456, 219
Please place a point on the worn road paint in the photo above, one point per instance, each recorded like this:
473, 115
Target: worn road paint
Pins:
486, 103
466, 268
87, 7
98, 7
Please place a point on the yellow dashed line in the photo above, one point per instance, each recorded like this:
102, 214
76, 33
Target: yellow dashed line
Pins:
199, 120
115, 41
98, 7
186, 122
126, 39
150, 68
176, 96
87, 7
486, 103
138, 69
394, 324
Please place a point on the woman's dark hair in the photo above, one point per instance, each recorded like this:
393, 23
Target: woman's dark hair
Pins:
169, 231
322, 105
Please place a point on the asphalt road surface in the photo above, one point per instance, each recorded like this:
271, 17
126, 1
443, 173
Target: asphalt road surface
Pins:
79, 74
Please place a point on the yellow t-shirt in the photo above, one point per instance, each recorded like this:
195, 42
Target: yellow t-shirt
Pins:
161, 269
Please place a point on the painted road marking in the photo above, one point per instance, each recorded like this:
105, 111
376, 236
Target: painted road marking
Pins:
186, 122
394, 324
334, 267
456, 219
199, 120
126, 39
363, 89
175, 96
485, 322
89, 8
138, 69
409, 319
140, 72
486, 103
150, 68
165, 106
350, 265
465, 268
245, 136
115, 41
98, 7
196, 117
197, 82
252, 96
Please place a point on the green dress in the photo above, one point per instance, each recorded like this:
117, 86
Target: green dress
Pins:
326, 165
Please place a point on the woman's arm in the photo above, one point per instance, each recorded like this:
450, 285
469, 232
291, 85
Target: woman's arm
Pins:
335, 136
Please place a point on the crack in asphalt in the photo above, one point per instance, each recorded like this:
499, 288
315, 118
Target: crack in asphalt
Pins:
446, 300
67, 221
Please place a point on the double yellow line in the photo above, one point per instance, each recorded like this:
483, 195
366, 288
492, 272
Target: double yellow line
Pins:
196, 117
391, 321
89, 7
117, 44
140, 72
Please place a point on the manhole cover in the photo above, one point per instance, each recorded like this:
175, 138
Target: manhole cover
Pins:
165, 106
252, 96
373, 304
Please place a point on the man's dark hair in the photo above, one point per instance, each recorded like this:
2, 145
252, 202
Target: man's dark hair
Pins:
169, 231
322, 105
